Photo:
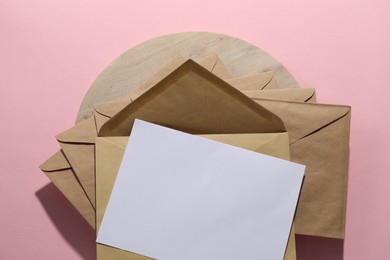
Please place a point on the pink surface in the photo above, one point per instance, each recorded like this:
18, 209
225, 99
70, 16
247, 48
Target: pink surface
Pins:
51, 51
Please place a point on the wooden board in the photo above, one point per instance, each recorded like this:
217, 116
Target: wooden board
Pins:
134, 66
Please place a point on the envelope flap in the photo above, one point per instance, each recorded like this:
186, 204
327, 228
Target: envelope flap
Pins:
110, 108
56, 162
252, 82
208, 62
214, 64
194, 100
221, 70
83, 132
303, 119
291, 94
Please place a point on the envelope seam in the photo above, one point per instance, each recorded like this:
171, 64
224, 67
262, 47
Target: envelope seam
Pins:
215, 64
78, 180
312, 94
266, 84
96, 126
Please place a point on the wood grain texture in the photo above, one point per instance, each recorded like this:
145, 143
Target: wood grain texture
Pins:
134, 66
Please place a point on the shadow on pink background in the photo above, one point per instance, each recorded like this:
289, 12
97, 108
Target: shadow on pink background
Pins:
50, 53
69, 223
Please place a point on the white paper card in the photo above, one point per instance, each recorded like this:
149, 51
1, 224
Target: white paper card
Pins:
179, 196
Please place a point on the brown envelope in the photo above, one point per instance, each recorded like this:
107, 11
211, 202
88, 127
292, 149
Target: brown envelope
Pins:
104, 111
319, 139
193, 100
109, 153
290, 94
211, 63
78, 145
78, 142
251, 85
58, 170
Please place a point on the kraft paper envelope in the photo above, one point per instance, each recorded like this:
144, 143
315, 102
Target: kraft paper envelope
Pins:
104, 111
292, 94
78, 142
249, 85
210, 62
109, 153
84, 136
214, 64
319, 139
193, 100
58, 170
108, 109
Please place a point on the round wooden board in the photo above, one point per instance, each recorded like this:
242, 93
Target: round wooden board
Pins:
134, 66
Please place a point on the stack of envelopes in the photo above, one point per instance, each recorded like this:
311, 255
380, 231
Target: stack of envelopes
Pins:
194, 164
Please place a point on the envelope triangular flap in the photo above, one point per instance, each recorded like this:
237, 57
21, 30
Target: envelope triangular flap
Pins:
208, 62
221, 70
100, 120
214, 64
83, 132
110, 108
56, 162
194, 100
305, 122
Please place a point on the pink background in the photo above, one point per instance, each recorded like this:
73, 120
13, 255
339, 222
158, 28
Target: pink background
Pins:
51, 51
